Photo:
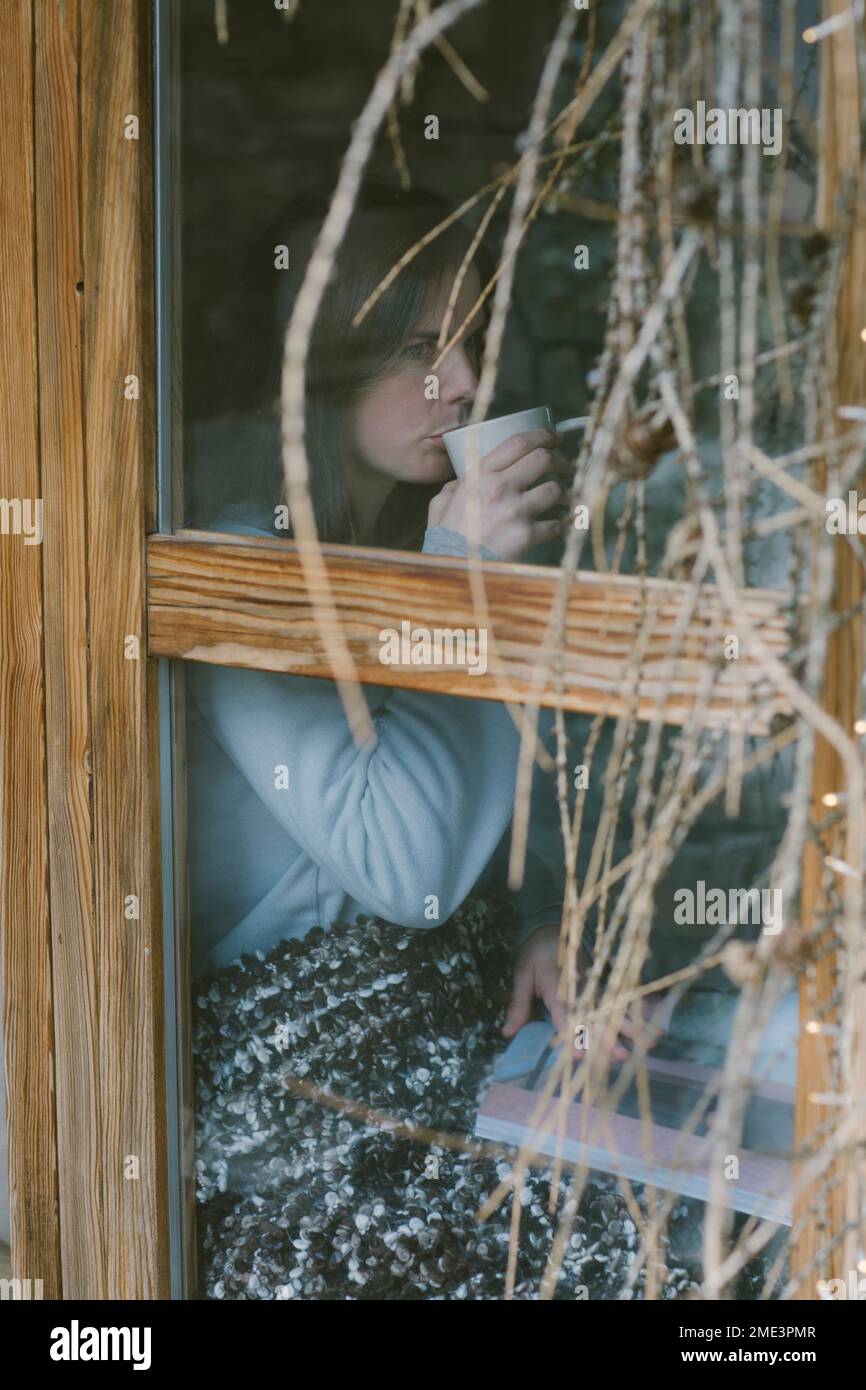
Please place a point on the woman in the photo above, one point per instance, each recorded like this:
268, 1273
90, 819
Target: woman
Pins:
298, 825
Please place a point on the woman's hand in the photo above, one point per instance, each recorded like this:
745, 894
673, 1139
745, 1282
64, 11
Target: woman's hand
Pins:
537, 975
510, 496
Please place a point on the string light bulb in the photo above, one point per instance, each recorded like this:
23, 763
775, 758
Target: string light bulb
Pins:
831, 25
840, 867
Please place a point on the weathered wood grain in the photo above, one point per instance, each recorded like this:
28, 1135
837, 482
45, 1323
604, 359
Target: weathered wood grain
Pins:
120, 501
80, 808
28, 1024
74, 965
242, 602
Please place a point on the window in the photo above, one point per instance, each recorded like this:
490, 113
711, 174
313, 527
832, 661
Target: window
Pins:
661, 574
641, 638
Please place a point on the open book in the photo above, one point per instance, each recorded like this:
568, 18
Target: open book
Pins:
618, 1141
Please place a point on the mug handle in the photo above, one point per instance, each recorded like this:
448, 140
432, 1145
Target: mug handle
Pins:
576, 422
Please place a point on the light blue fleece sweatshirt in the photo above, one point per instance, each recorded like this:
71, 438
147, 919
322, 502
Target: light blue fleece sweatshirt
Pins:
292, 824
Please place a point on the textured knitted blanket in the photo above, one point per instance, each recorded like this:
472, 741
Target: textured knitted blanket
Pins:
321, 1069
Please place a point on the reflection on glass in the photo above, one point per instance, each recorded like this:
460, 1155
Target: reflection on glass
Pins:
390, 372
359, 963
350, 930
253, 201
359, 968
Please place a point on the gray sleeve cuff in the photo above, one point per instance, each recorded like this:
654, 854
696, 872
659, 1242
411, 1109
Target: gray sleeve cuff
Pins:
440, 540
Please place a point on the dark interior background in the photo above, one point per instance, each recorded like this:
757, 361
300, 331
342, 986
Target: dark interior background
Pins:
270, 112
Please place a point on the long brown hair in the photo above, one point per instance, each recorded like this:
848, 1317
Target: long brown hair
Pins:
343, 361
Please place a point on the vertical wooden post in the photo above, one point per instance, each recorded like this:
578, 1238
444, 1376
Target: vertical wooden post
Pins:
79, 770
60, 278
815, 1256
25, 929
120, 501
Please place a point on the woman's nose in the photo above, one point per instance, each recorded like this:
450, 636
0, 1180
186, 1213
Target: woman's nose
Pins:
458, 380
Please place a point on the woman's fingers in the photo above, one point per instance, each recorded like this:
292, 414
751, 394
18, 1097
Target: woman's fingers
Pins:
541, 531
504, 455
546, 495
520, 1004
509, 501
540, 463
653, 1018
654, 1026
553, 1001
436, 509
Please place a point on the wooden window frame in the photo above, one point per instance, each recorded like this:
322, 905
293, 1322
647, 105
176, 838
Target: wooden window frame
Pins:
82, 845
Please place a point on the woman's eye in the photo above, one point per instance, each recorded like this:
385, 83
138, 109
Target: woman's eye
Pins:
426, 351
419, 352
474, 345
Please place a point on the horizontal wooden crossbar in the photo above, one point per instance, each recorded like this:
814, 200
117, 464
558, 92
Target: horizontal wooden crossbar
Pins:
241, 601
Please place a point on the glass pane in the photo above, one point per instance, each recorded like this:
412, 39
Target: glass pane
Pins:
266, 116
353, 941
355, 951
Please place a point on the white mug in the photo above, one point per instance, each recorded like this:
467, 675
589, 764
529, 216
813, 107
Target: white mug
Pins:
490, 433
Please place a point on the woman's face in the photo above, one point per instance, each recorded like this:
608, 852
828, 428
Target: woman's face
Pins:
396, 430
